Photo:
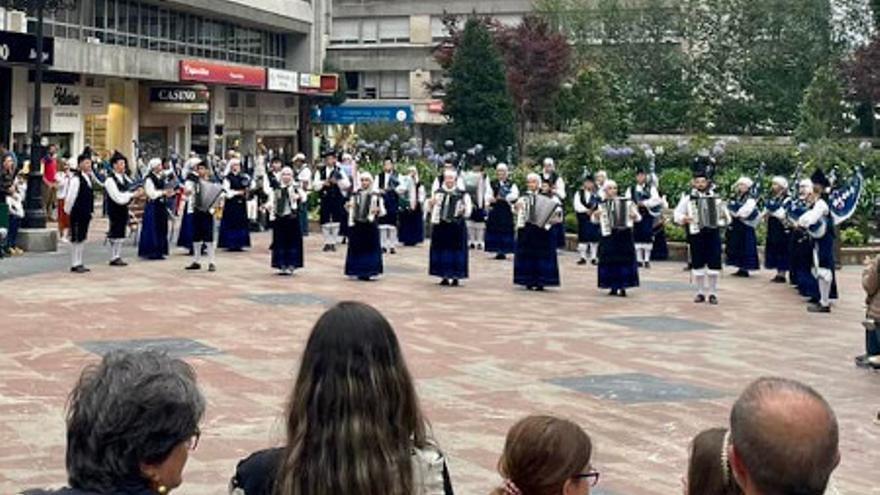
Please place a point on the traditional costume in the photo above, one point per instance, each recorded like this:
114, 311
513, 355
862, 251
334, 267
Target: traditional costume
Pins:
234, 225
585, 203
331, 183
184, 211
284, 205
801, 246
476, 185
648, 201
364, 256
535, 264
386, 185
501, 195
618, 265
153, 243
820, 225
119, 196
777, 247
411, 195
449, 242
557, 187
79, 205
203, 197
304, 176
742, 243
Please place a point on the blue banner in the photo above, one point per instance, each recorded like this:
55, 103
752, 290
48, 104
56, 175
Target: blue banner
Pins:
360, 115
844, 200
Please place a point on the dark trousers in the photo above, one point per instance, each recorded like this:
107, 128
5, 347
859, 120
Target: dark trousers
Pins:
872, 340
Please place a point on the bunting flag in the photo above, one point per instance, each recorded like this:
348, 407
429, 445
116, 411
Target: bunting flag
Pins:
844, 200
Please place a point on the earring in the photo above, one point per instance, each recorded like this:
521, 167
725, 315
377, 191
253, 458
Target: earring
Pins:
162, 489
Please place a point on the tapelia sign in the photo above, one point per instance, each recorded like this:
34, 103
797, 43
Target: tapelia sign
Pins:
232, 75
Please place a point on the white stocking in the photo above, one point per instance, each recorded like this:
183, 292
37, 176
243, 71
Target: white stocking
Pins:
76, 254
582, 250
212, 251
392, 236
700, 281
824, 292
327, 233
594, 250
197, 252
713, 283
480, 234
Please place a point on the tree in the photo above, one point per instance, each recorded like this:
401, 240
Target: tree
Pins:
862, 74
823, 113
477, 101
592, 98
537, 60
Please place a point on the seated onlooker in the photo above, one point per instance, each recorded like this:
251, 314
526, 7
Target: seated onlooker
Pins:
544, 455
784, 439
871, 285
353, 419
131, 422
708, 470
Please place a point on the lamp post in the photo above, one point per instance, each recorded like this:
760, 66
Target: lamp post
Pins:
34, 214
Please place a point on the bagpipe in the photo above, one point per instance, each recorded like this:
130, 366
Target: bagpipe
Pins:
652, 183
754, 218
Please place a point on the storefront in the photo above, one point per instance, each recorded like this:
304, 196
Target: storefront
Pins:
174, 118
17, 52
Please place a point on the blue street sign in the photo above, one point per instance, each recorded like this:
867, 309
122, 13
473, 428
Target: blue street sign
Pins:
363, 114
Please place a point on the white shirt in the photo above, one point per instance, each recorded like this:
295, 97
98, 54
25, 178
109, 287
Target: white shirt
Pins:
151, 191
73, 191
815, 214
117, 196
511, 198
580, 207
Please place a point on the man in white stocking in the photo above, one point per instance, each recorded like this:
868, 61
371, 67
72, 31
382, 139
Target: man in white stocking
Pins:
119, 196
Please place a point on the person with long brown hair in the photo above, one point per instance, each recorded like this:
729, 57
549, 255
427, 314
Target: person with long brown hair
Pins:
354, 424
544, 455
708, 471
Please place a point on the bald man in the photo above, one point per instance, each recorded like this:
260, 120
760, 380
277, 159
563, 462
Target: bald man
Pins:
784, 439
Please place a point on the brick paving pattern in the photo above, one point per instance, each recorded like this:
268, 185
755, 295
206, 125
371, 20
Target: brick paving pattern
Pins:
642, 375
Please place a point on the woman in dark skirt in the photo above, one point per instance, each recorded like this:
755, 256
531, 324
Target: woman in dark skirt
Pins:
535, 265
741, 243
185, 230
501, 195
153, 242
618, 269
449, 242
585, 203
386, 183
412, 219
287, 240
364, 257
777, 250
661, 248
235, 226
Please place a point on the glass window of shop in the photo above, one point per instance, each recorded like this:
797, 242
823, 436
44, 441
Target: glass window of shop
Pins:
385, 85
150, 26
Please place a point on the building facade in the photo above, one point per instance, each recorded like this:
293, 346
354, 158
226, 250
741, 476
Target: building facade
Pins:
384, 50
170, 76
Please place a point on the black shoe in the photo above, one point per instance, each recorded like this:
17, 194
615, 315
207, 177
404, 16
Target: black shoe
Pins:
194, 266
384, 250
613, 292
594, 262
393, 251
647, 264
364, 279
818, 308
326, 248
118, 262
500, 256
333, 248
344, 241
700, 299
471, 245
80, 269
622, 293
444, 282
539, 288
779, 279
862, 361
640, 264
741, 273
813, 300
455, 282
212, 268
582, 261
713, 300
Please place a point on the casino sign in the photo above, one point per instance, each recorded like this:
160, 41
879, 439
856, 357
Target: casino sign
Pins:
180, 99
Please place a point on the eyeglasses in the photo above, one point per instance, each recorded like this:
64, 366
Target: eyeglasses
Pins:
192, 442
592, 477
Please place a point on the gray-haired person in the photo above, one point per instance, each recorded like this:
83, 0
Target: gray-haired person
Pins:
784, 439
132, 420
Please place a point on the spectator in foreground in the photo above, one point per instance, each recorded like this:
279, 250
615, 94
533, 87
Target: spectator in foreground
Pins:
131, 422
784, 439
544, 455
354, 424
709, 465
871, 285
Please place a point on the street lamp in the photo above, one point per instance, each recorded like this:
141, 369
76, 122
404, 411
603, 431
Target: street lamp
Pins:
34, 215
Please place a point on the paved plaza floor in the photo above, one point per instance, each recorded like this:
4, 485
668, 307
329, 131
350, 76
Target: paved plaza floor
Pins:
642, 375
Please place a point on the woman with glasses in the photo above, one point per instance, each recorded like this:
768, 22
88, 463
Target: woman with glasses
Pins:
354, 424
544, 455
131, 422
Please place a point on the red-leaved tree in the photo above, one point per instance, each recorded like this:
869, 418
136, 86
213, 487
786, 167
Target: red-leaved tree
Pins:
862, 73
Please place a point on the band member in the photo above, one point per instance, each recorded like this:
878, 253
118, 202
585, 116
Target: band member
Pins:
535, 265
386, 185
477, 185
349, 167
551, 179
501, 195
364, 257
801, 271
647, 198
79, 205
586, 202
331, 184
153, 243
819, 223
234, 226
459, 180
742, 243
283, 206
704, 241
303, 174
411, 193
660, 250
449, 206
601, 178
185, 207
776, 252
202, 218
618, 267
119, 197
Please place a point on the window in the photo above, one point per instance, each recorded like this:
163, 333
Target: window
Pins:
352, 83
394, 30
371, 82
233, 99
345, 32
438, 30
250, 100
370, 31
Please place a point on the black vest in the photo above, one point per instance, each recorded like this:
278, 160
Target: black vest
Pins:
84, 203
238, 182
116, 211
159, 184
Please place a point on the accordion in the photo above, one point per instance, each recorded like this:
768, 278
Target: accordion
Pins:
362, 208
446, 206
705, 213
615, 215
207, 195
538, 210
